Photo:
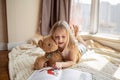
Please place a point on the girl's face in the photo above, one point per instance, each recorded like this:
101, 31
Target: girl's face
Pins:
60, 37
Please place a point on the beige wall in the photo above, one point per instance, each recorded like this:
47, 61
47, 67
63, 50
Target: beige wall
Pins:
22, 20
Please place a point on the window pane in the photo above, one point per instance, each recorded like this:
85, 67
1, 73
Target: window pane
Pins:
80, 14
109, 17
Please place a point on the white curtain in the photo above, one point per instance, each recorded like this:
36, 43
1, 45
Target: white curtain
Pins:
76, 16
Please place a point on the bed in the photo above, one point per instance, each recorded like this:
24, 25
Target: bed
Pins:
101, 61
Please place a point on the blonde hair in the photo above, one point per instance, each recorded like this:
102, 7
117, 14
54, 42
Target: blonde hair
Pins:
64, 25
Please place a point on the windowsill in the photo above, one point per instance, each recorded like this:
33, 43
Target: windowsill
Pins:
112, 41
103, 36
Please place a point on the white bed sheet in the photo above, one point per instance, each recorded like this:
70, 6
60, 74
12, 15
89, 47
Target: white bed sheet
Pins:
102, 64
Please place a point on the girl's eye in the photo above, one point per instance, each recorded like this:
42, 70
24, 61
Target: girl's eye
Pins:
56, 37
63, 36
49, 44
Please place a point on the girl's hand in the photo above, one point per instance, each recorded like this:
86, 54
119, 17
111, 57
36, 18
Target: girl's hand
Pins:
58, 65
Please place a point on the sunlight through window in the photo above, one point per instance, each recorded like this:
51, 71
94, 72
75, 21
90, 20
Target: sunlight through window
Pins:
109, 17
117, 73
98, 63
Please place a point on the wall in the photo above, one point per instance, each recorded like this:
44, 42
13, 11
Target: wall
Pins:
22, 20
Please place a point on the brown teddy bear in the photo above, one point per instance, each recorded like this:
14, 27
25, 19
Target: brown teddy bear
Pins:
51, 56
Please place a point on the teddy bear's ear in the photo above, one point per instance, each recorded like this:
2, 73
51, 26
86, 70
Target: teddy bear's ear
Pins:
40, 43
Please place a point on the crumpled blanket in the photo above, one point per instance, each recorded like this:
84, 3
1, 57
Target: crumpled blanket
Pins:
102, 62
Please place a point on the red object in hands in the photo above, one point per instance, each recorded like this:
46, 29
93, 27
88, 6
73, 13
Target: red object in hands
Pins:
50, 71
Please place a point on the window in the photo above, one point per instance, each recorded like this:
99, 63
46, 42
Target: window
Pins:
80, 14
97, 16
109, 17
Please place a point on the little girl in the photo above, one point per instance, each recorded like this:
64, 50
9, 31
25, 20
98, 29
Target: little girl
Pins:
62, 35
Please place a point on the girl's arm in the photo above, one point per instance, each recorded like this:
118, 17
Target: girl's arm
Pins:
73, 58
64, 64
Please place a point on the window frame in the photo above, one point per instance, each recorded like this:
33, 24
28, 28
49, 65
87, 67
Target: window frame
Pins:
94, 17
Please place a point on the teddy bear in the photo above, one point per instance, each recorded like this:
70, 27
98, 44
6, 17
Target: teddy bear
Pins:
51, 56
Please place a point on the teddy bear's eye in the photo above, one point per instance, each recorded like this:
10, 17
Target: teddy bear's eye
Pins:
49, 44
